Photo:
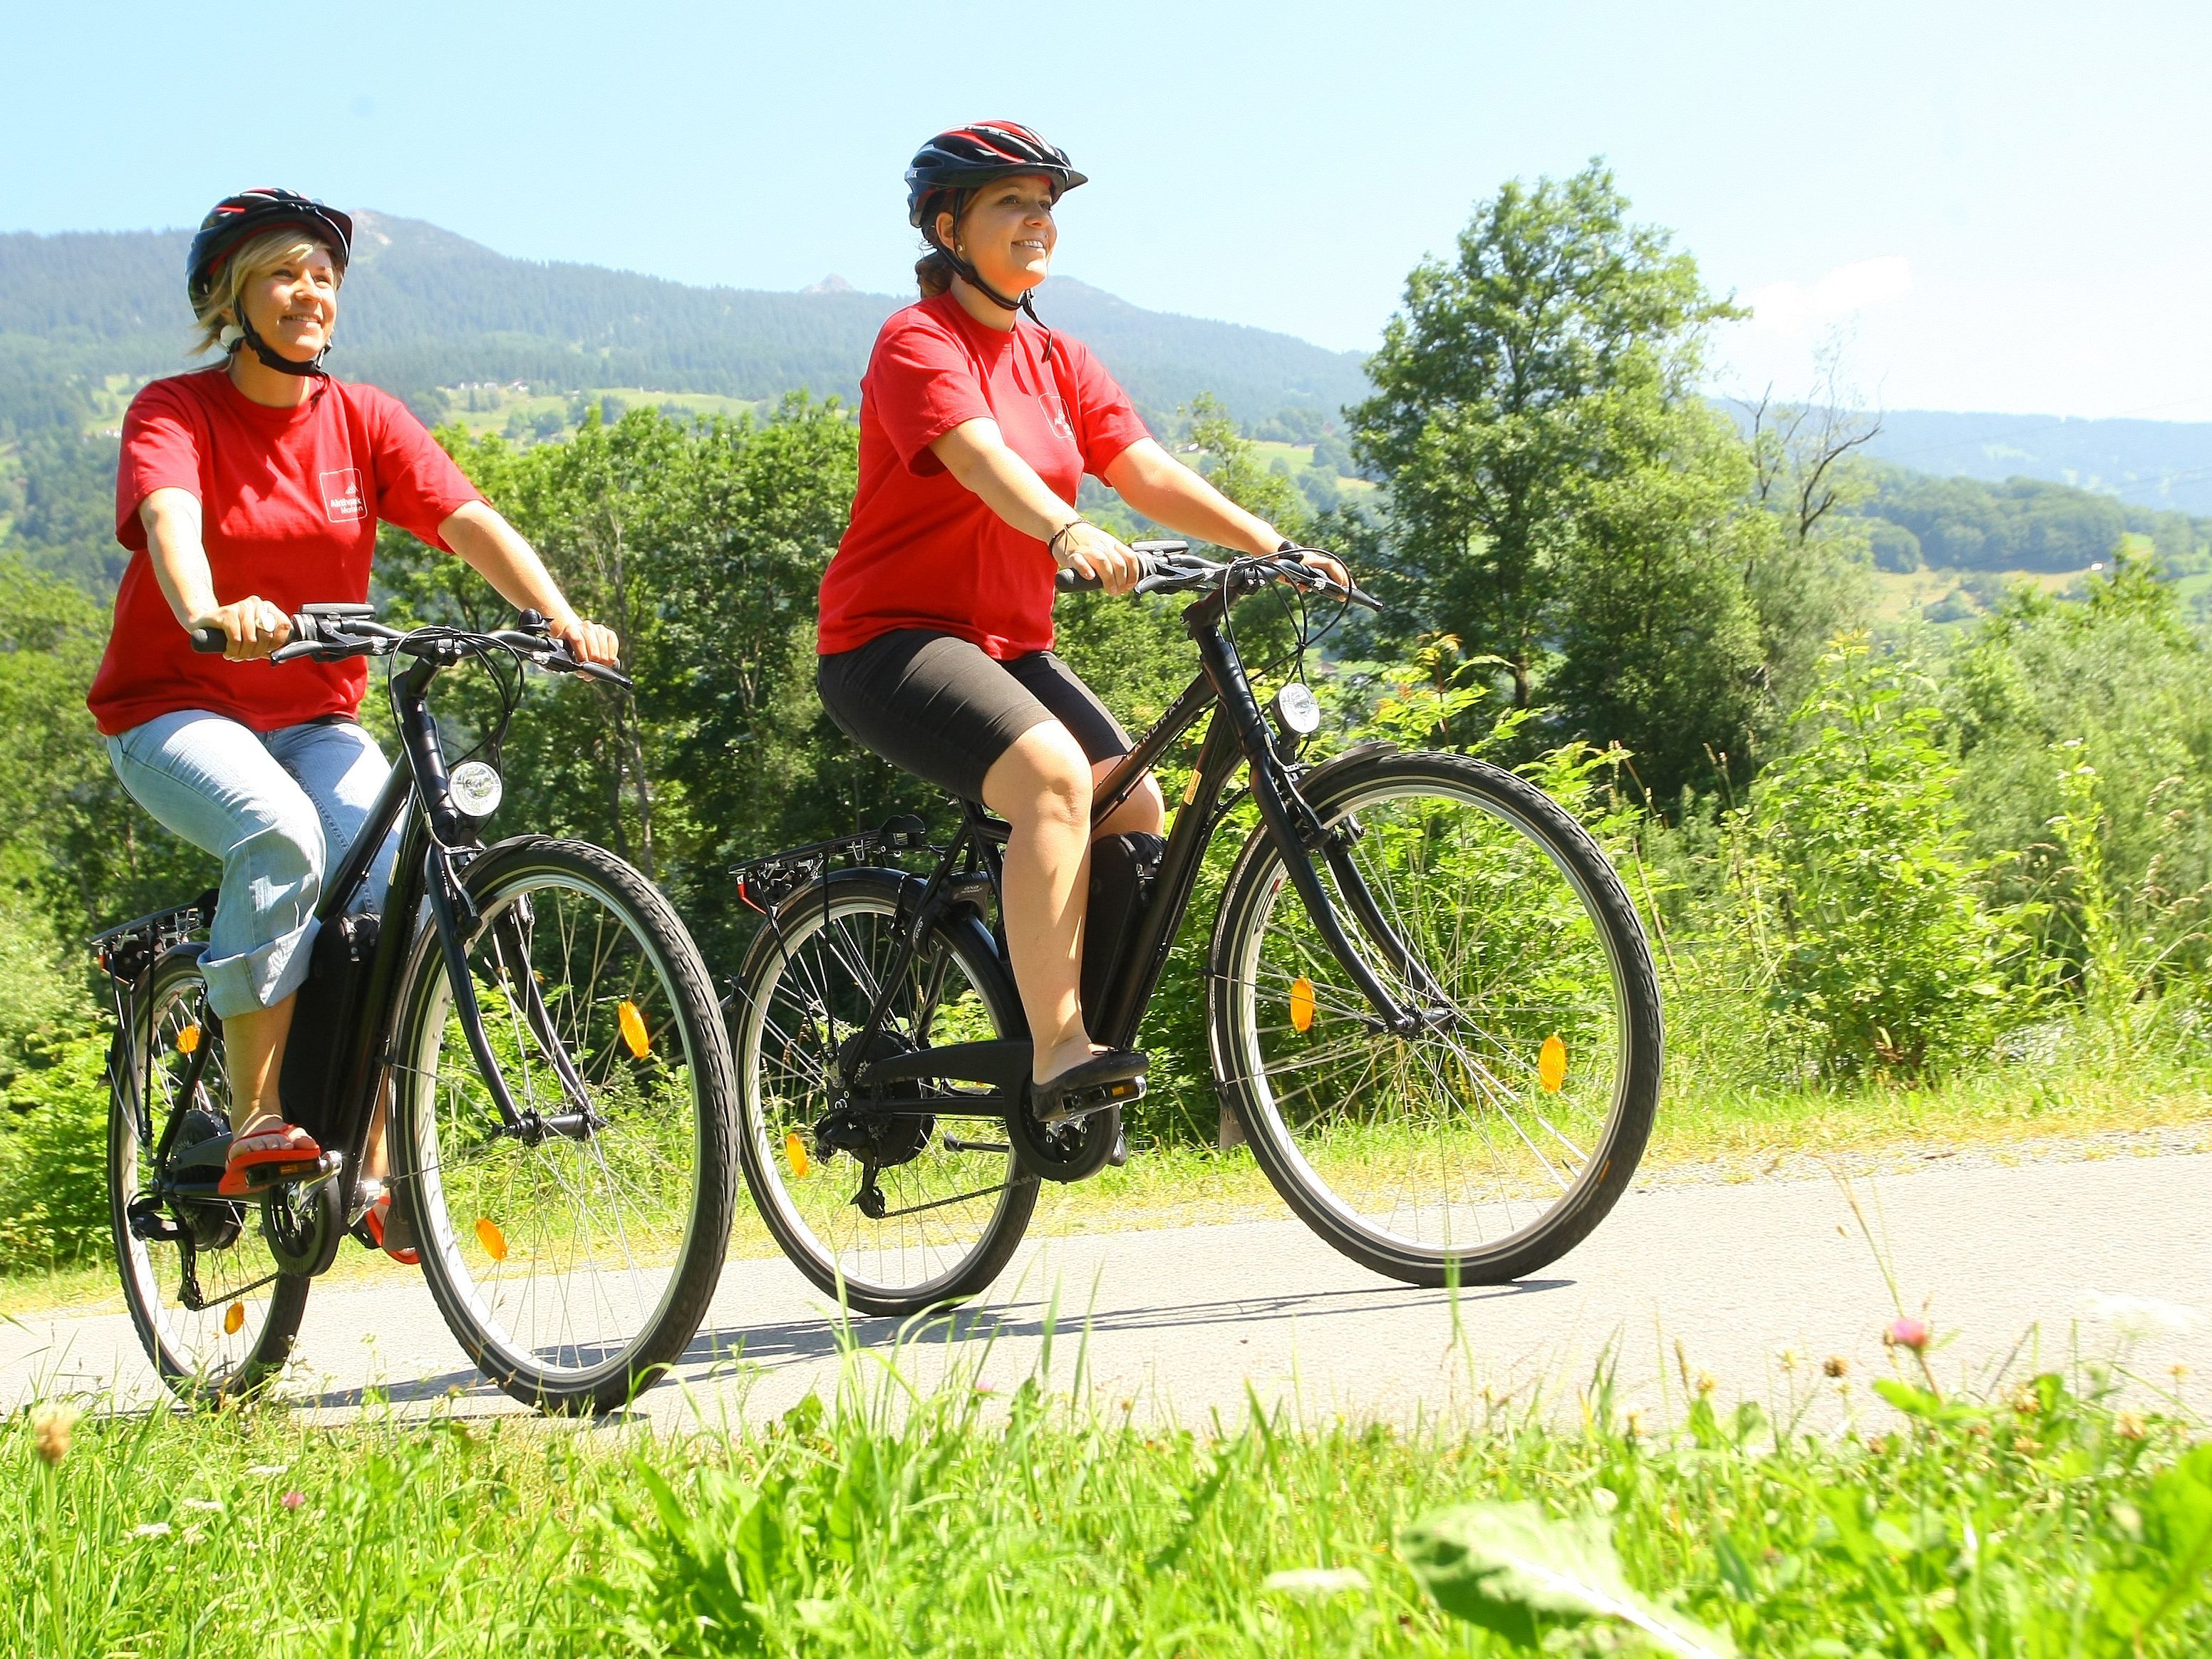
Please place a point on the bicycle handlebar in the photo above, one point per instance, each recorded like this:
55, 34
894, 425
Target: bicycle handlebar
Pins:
334, 633
1172, 568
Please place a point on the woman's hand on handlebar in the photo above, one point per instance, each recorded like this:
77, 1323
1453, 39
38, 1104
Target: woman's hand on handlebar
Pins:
1090, 551
252, 627
587, 642
1327, 563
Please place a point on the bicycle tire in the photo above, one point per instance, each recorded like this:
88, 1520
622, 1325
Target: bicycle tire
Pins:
662, 988
930, 1276
1580, 927
195, 1358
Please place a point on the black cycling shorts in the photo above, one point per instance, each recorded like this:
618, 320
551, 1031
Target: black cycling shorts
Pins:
936, 705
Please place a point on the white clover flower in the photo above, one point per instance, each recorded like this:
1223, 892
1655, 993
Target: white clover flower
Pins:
264, 1471
2143, 1315
151, 1529
206, 1503
1318, 1583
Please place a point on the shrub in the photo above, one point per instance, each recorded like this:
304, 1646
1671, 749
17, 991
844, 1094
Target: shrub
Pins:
1887, 951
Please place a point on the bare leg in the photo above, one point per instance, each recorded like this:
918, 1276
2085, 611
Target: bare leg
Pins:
1041, 787
1140, 813
254, 1045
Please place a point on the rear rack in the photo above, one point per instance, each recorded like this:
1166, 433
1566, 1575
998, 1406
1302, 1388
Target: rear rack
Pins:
765, 883
127, 951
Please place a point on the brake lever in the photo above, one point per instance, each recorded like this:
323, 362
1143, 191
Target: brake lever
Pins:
560, 662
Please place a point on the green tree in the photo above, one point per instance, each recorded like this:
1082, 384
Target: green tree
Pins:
1520, 380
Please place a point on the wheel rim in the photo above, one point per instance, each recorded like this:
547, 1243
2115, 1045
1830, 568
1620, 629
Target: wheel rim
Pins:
1449, 1144
197, 1350
562, 1255
820, 980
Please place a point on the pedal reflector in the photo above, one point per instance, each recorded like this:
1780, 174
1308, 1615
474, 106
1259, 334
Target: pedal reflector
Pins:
1302, 1004
233, 1319
492, 1240
794, 1153
633, 1029
188, 1040
1551, 1064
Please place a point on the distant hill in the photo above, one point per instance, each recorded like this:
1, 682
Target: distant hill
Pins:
426, 308
2154, 463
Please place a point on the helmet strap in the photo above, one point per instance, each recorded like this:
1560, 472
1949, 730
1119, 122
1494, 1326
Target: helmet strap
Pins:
283, 365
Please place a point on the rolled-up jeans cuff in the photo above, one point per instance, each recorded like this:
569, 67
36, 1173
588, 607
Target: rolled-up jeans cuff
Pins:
261, 978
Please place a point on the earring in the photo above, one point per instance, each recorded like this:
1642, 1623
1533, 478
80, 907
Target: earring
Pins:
231, 335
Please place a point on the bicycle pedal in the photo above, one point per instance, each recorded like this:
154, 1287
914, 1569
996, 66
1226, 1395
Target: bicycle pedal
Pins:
1076, 1105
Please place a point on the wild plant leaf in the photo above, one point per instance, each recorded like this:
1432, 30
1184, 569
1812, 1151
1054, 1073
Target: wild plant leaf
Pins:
1516, 1570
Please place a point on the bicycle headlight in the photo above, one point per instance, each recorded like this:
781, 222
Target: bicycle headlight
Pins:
476, 788
1297, 708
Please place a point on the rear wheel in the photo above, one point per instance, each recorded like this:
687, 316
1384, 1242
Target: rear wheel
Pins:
574, 1260
954, 1198
214, 1314
1490, 1142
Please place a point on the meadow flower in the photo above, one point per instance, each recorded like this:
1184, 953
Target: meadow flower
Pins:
1316, 1582
2129, 1425
2144, 1316
51, 1434
264, 1471
292, 1499
1836, 1365
206, 1503
151, 1529
1907, 1333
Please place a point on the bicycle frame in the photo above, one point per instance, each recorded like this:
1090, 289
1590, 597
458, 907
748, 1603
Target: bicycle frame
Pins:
1239, 732
436, 842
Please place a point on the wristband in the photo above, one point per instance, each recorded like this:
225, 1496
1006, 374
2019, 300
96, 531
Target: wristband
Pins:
1053, 546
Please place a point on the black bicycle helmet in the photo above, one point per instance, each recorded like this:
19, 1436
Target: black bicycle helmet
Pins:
966, 157
234, 219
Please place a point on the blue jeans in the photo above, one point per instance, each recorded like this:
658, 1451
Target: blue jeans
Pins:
279, 809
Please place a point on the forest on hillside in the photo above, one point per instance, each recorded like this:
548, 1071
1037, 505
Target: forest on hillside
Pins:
1871, 856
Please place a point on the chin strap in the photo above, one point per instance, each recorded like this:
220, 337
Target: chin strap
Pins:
968, 274
245, 335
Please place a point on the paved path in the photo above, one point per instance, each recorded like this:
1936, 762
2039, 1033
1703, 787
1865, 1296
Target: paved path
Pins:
1180, 1323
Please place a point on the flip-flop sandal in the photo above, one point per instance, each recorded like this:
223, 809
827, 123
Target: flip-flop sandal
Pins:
1102, 1081
389, 1231
266, 1156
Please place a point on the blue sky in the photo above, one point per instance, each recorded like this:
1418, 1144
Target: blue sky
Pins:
1982, 206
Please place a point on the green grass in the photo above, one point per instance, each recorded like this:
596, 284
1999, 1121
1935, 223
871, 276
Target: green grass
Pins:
960, 1521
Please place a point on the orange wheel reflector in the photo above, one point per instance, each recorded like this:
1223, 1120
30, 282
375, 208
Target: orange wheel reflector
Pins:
233, 1319
1301, 1003
188, 1040
794, 1153
633, 1029
1551, 1064
492, 1240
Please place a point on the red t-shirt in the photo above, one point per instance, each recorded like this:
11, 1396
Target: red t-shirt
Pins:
290, 499
923, 551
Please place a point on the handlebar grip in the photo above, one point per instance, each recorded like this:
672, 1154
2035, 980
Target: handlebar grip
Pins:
208, 641
1068, 581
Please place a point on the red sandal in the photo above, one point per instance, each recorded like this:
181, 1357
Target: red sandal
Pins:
392, 1236
286, 1152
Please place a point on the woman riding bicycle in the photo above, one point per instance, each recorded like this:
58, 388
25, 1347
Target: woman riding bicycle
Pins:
977, 424
246, 491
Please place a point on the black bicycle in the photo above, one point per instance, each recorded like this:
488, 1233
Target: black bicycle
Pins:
560, 1097
1430, 1005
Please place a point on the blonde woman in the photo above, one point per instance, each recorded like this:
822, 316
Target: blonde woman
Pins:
244, 492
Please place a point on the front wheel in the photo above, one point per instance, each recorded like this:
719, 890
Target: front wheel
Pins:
214, 1315
1490, 1142
572, 1258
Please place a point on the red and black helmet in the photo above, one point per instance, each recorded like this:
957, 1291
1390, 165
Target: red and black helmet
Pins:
968, 157
249, 213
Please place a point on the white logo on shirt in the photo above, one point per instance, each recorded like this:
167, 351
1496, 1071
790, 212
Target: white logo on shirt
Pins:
1056, 412
341, 495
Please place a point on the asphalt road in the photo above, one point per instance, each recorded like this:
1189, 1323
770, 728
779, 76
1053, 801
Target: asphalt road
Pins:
2022, 1268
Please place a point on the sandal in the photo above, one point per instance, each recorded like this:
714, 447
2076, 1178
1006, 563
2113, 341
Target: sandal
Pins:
389, 1230
286, 1152
1111, 1079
